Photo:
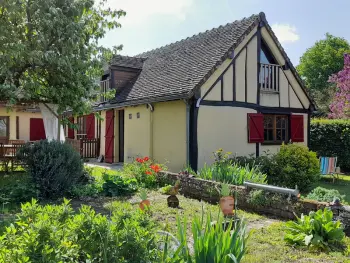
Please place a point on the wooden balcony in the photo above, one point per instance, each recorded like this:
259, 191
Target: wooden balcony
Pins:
88, 148
269, 77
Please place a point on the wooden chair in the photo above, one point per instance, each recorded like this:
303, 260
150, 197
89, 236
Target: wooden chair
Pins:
328, 166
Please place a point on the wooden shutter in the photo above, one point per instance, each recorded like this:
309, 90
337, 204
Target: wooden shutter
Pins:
71, 130
36, 129
90, 126
297, 128
255, 127
109, 138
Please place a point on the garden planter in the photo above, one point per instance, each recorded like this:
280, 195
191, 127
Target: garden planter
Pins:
173, 201
144, 204
227, 205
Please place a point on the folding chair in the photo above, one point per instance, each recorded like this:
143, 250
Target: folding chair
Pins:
328, 166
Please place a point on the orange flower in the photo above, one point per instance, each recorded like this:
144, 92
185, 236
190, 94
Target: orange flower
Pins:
148, 172
139, 160
146, 159
155, 168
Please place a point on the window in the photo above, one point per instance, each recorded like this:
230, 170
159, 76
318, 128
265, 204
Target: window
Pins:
81, 123
4, 127
275, 128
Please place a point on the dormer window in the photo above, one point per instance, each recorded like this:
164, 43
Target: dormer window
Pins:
269, 70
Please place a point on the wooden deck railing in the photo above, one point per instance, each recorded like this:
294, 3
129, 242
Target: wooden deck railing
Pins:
88, 148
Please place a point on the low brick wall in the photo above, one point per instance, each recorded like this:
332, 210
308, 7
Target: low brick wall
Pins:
208, 191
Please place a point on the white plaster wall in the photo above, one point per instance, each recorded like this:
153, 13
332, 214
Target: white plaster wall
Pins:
222, 127
228, 84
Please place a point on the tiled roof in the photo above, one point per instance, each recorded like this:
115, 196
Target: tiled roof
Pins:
128, 62
175, 70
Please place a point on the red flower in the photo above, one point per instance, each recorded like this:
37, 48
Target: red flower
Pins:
155, 168
146, 159
148, 172
139, 160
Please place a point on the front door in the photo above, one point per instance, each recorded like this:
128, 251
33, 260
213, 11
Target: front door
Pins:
109, 138
36, 130
121, 135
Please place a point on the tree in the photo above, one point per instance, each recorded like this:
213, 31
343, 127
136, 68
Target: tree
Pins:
50, 52
340, 107
318, 63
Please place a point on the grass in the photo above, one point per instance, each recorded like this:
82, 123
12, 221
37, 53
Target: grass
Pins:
342, 185
267, 245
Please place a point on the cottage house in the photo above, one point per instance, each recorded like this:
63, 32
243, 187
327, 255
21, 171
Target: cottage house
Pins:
231, 87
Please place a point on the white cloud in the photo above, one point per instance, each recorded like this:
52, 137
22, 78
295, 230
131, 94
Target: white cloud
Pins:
285, 33
139, 11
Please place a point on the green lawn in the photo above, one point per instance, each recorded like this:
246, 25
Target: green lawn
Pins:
342, 185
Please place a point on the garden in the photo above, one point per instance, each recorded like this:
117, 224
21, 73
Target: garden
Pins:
58, 210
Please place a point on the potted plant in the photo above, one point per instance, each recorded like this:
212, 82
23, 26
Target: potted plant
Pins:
227, 202
144, 201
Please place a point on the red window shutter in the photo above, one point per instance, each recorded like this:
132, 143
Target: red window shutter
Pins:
90, 126
255, 127
71, 130
297, 128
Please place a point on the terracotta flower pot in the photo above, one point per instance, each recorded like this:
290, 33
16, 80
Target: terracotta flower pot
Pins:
227, 205
144, 204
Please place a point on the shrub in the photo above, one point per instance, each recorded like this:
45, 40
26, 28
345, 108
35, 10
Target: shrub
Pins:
116, 185
317, 231
144, 170
295, 165
331, 138
324, 195
55, 233
54, 167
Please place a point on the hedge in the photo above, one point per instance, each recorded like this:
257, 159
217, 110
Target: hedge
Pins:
329, 137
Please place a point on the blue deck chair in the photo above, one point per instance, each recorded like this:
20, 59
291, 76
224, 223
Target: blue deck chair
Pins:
328, 166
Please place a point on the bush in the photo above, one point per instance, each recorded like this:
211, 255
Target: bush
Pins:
293, 165
116, 185
325, 195
54, 167
317, 231
55, 233
331, 138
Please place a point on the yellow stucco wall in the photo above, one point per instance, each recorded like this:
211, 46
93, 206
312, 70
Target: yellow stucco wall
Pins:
222, 127
240, 76
103, 132
228, 84
169, 134
215, 93
252, 73
269, 99
24, 120
284, 93
137, 133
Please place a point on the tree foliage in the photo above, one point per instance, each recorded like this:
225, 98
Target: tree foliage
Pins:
340, 107
318, 63
49, 50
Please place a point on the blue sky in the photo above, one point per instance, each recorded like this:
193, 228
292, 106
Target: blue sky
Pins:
298, 23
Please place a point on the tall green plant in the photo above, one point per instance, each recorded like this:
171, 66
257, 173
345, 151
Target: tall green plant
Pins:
212, 243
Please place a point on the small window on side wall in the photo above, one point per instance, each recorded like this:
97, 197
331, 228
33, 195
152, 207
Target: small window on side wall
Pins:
275, 128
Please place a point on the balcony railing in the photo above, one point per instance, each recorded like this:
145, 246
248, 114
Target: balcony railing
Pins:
105, 87
269, 77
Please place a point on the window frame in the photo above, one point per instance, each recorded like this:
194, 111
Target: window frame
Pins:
287, 129
7, 118
82, 129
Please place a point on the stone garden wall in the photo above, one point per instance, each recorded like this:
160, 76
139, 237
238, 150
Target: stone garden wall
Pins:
281, 207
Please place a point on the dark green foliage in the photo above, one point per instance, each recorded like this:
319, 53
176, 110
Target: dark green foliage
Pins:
116, 185
293, 165
54, 167
317, 231
325, 195
55, 233
331, 138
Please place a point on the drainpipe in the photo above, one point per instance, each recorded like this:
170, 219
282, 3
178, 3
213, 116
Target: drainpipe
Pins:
151, 109
188, 108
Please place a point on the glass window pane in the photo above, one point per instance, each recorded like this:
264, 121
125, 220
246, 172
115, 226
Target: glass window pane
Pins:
3, 127
268, 122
